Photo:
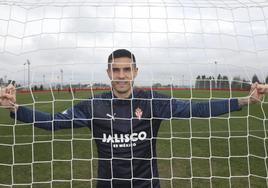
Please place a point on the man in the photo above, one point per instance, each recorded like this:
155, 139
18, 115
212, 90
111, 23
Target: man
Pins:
125, 122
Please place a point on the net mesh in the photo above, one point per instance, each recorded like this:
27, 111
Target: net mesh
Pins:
56, 51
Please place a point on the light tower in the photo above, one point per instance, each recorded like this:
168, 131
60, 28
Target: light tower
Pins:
216, 72
61, 79
29, 76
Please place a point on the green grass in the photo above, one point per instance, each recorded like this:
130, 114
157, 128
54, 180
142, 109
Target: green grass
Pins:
229, 151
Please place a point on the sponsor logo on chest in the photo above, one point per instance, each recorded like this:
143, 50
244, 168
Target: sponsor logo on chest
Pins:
124, 140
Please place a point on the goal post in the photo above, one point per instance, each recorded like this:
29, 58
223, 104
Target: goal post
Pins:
56, 52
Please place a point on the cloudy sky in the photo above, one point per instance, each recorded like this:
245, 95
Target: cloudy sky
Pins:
172, 40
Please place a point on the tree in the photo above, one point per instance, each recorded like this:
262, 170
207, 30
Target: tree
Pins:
209, 80
213, 82
236, 83
41, 87
1, 81
225, 82
156, 85
197, 81
255, 79
266, 80
13, 82
219, 80
203, 80
246, 84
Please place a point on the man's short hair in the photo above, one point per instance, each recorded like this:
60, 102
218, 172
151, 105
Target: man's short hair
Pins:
121, 53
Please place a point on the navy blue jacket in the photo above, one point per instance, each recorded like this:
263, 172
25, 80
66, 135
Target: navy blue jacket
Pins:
125, 131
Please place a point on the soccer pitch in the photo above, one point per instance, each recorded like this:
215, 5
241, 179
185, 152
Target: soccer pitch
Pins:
226, 151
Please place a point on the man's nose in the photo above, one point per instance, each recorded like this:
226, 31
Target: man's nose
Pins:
121, 74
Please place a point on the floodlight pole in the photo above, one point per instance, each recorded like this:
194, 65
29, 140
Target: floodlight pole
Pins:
61, 79
216, 72
183, 80
57, 83
29, 78
24, 82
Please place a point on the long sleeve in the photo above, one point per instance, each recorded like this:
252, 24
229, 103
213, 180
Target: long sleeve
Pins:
210, 108
77, 116
168, 108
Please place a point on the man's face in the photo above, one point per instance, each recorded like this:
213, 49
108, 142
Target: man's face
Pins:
122, 73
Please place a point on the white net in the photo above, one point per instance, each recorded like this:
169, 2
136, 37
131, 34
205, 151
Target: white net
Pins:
56, 52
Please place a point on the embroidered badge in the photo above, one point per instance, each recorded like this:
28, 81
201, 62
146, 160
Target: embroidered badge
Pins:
138, 113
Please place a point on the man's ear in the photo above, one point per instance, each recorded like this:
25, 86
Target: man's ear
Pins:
108, 70
135, 72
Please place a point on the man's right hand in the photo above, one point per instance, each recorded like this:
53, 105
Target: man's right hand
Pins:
8, 97
262, 88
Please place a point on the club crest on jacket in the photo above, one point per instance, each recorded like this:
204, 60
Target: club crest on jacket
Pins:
138, 113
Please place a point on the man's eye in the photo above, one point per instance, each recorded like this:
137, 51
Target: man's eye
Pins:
115, 70
127, 69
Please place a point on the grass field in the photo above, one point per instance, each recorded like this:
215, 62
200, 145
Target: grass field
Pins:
227, 151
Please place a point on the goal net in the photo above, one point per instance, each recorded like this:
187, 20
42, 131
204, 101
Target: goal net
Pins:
199, 50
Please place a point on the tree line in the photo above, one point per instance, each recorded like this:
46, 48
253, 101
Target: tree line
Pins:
201, 82
223, 82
